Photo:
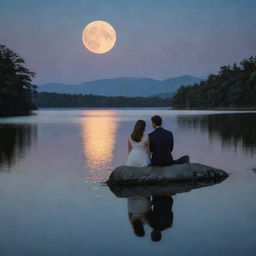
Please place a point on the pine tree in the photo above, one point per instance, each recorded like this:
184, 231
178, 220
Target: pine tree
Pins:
16, 90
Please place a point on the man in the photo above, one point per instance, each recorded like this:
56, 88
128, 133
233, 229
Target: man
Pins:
160, 215
161, 145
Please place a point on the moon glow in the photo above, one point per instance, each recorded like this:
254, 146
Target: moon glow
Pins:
99, 37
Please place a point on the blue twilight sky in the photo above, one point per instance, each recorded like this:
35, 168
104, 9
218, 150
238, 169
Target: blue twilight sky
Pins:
155, 38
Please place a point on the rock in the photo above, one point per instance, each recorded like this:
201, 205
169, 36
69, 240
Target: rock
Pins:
155, 174
174, 188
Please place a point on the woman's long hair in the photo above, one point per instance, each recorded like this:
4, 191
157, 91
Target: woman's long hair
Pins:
138, 228
138, 130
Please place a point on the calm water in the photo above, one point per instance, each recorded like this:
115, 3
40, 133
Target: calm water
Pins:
52, 166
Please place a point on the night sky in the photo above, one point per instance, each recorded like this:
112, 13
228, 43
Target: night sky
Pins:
155, 38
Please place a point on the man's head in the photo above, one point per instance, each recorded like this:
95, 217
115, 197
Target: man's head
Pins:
156, 121
156, 235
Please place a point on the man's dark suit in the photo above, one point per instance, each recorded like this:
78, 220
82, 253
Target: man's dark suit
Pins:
161, 146
160, 215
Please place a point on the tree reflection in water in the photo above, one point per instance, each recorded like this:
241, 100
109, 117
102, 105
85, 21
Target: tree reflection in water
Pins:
15, 140
232, 129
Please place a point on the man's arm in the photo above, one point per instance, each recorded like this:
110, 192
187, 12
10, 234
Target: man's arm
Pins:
149, 144
171, 142
148, 147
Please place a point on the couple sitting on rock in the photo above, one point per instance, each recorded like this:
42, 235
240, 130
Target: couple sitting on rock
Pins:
153, 149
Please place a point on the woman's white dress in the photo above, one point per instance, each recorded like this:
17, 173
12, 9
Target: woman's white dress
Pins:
138, 156
138, 206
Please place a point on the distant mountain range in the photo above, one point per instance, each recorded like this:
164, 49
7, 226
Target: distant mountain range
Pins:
123, 86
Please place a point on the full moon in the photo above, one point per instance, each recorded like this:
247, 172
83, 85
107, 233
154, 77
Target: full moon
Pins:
99, 37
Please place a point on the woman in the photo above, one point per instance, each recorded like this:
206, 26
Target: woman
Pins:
138, 210
138, 146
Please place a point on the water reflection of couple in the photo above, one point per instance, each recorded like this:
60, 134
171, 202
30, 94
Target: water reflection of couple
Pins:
156, 211
154, 149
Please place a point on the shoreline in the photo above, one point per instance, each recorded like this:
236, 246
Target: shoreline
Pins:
221, 109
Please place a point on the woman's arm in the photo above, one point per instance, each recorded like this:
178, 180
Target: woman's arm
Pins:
129, 146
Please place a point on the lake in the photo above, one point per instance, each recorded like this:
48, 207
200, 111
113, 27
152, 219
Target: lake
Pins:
54, 202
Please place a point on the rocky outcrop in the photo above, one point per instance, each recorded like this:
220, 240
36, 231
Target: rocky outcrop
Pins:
156, 175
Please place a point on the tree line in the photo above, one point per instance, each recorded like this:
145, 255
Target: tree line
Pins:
16, 90
233, 87
59, 100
